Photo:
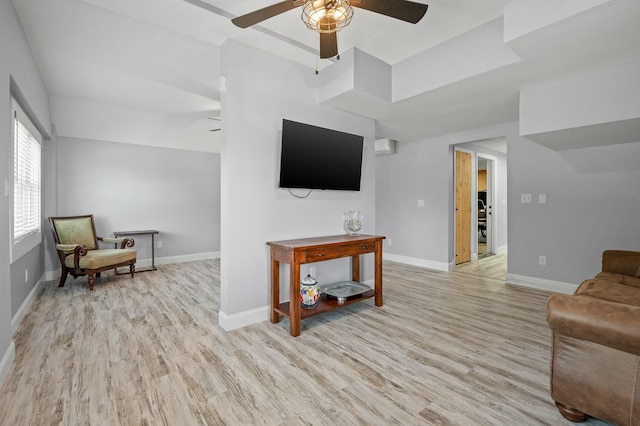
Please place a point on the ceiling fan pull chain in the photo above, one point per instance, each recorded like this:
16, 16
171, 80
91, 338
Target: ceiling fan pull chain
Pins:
318, 42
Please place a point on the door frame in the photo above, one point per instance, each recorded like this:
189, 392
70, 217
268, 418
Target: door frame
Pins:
491, 201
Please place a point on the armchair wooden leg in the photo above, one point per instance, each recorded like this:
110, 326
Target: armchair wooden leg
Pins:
92, 279
571, 414
63, 277
132, 269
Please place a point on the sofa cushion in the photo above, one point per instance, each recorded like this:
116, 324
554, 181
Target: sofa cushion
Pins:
610, 290
619, 278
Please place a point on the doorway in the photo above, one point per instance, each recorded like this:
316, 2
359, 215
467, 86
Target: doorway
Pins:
479, 188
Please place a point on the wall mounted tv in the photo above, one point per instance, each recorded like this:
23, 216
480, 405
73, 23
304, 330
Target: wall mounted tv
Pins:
317, 158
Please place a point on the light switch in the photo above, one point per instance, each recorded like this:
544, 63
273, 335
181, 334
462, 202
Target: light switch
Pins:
420, 203
542, 198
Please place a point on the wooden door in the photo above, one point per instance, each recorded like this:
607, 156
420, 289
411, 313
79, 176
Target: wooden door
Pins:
463, 207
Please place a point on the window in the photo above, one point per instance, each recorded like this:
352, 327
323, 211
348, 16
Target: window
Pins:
26, 223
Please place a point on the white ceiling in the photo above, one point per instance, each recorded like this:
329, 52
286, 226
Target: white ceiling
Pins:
159, 61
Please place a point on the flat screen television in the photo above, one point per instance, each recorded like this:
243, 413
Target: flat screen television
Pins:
313, 157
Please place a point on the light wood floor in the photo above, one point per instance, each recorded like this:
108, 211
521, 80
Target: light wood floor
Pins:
446, 349
490, 266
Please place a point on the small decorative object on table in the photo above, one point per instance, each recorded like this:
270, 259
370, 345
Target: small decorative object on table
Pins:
353, 222
309, 292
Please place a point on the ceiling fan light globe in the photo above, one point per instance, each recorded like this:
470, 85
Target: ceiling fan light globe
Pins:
326, 16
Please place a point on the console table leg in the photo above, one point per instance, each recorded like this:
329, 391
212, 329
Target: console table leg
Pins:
378, 273
355, 268
294, 299
275, 290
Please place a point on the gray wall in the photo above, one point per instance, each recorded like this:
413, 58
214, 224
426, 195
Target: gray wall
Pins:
423, 170
18, 76
417, 171
133, 187
593, 204
254, 209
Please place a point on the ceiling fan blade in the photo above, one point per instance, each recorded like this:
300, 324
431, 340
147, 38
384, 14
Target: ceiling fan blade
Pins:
404, 10
328, 45
260, 15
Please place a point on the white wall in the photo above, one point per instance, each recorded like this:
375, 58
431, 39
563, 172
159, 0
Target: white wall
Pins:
261, 90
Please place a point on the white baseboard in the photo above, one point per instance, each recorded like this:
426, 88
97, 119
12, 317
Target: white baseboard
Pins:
501, 250
179, 259
541, 284
243, 319
24, 308
7, 360
414, 261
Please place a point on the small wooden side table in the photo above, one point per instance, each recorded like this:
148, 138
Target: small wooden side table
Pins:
309, 250
151, 232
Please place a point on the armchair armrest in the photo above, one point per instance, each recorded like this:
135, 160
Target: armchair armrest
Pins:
611, 324
66, 248
124, 242
621, 262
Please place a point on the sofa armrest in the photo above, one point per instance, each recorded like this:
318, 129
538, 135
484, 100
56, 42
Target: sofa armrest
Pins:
621, 262
611, 324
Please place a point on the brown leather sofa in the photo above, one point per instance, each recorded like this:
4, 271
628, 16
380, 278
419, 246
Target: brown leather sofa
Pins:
595, 363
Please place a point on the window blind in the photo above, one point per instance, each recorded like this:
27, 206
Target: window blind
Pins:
26, 182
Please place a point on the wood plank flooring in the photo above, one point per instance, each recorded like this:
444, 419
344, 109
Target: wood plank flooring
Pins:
445, 349
490, 266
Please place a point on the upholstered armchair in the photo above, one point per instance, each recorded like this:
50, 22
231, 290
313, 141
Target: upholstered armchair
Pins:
78, 251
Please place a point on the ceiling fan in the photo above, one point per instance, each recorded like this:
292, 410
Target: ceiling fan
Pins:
327, 17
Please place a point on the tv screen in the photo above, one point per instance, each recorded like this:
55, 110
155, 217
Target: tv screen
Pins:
317, 158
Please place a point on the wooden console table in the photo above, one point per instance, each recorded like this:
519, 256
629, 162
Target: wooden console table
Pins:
309, 250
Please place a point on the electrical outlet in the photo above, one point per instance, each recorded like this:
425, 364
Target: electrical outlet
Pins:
542, 260
525, 198
388, 241
312, 271
159, 244
420, 203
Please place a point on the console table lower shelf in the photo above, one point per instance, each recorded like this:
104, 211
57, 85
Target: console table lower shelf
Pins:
310, 250
326, 304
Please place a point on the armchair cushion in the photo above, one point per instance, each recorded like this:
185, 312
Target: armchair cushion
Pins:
97, 259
